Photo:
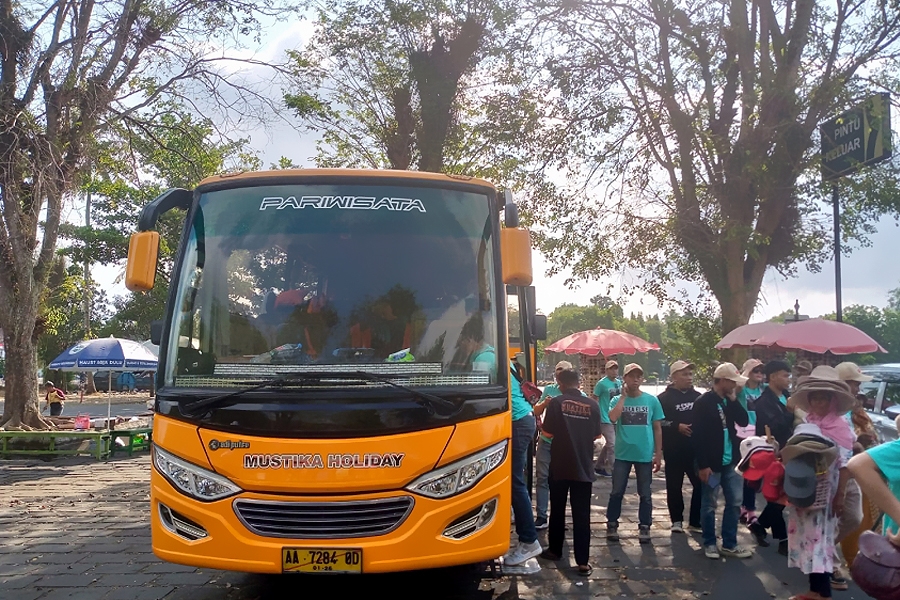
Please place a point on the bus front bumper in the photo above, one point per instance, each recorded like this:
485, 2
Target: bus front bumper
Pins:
433, 533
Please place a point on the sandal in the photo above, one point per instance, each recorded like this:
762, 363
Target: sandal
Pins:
839, 582
585, 570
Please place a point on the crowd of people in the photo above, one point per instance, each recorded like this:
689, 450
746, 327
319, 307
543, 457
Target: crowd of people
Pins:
792, 440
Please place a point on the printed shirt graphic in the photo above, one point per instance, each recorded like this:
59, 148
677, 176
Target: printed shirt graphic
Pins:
634, 429
574, 421
606, 389
726, 452
887, 458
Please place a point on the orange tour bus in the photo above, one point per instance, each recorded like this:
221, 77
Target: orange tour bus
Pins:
333, 384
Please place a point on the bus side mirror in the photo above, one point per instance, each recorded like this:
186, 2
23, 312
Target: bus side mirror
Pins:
143, 250
156, 331
539, 330
515, 254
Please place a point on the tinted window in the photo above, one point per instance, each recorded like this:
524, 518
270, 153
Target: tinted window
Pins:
293, 277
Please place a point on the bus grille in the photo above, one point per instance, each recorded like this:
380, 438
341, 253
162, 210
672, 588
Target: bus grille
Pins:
323, 520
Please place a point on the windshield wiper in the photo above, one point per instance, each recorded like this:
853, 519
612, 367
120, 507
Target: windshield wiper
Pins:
197, 405
429, 401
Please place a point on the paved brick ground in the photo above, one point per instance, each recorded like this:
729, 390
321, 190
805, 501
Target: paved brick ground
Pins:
76, 528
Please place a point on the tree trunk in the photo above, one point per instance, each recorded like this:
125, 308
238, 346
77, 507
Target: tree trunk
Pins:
89, 386
21, 409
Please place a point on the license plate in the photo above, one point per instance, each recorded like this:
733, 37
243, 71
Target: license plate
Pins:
321, 560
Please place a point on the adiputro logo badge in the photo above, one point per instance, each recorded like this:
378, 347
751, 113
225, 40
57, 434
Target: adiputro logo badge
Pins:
227, 444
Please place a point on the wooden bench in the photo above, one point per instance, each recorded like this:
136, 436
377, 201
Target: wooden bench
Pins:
100, 448
138, 439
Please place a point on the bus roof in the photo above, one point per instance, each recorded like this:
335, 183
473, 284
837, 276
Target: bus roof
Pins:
240, 178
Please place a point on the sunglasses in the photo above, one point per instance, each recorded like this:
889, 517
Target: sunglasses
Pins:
759, 371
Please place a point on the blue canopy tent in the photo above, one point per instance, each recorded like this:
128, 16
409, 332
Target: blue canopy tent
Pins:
106, 354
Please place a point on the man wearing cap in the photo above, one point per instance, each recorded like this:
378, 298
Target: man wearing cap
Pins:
753, 370
678, 405
637, 416
607, 388
716, 413
772, 410
573, 420
542, 454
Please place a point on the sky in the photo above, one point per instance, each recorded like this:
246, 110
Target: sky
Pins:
868, 273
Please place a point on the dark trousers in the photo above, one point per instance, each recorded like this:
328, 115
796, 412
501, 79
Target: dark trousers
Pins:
56, 409
579, 494
772, 517
820, 583
680, 462
750, 489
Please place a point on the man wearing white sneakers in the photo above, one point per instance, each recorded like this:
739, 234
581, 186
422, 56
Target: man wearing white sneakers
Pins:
717, 452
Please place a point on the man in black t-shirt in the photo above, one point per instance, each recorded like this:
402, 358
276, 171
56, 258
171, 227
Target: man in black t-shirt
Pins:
573, 421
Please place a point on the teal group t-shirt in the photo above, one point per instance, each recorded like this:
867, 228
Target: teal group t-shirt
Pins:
887, 458
485, 360
605, 390
634, 429
747, 397
520, 406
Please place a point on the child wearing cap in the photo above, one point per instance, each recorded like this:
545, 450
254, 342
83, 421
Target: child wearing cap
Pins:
606, 389
637, 416
752, 369
716, 413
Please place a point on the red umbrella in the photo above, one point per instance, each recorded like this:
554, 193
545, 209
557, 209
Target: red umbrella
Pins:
748, 335
601, 341
820, 336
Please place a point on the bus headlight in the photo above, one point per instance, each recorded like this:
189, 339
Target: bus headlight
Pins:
192, 480
460, 475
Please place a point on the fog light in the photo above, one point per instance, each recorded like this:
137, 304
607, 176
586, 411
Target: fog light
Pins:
472, 521
180, 525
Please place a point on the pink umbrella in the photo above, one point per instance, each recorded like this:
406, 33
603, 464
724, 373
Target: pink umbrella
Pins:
748, 335
601, 341
820, 336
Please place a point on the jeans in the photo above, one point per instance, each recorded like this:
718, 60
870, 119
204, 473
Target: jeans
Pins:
579, 493
608, 452
680, 462
522, 437
621, 470
772, 517
541, 477
56, 409
732, 488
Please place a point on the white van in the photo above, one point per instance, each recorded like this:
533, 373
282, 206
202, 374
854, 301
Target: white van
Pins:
883, 397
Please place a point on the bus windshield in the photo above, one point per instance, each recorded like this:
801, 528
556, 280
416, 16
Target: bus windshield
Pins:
392, 280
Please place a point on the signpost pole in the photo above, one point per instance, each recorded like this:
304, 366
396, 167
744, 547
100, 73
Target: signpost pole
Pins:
837, 251
855, 139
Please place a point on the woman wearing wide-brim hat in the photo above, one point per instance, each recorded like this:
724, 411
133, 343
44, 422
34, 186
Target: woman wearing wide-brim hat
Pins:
811, 531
